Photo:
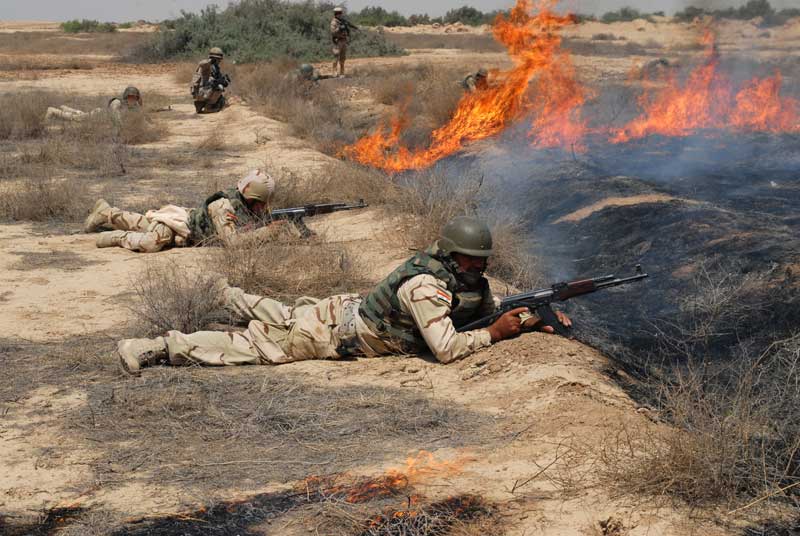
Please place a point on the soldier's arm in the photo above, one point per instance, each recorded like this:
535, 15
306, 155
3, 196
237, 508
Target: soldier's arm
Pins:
429, 302
224, 219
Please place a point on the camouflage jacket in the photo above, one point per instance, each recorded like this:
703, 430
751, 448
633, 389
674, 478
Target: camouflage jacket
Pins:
202, 225
385, 315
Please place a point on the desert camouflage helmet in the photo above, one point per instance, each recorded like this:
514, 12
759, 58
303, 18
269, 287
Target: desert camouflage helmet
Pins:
131, 91
482, 72
306, 69
338, 9
257, 186
466, 235
216, 53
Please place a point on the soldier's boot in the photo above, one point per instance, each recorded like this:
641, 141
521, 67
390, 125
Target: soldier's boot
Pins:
109, 239
98, 217
134, 354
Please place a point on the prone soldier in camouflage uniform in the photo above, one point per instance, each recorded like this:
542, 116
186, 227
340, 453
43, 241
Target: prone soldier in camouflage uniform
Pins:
417, 308
476, 81
340, 35
208, 83
220, 217
131, 100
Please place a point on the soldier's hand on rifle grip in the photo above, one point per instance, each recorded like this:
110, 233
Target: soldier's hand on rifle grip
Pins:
535, 323
507, 326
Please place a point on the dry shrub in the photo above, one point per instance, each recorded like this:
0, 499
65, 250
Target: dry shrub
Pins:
183, 73
393, 88
732, 394
213, 142
22, 114
339, 181
175, 297
313, 112
434, 198
136, 128
42, 199
286, 268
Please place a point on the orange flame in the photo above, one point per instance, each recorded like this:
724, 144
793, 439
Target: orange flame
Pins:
706, 101
393, 482
534, 46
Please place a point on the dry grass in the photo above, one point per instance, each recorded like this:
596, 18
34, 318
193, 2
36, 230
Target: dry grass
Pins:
8, 64
215, 141
472, 42
286, 268
116, 44
42, 199
175, 297
22, 114
183, 73
731, 398
314, 113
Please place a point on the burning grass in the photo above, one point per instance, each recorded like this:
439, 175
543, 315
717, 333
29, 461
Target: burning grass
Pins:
482, 114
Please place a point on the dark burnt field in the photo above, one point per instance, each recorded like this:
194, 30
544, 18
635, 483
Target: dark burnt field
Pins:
692, 211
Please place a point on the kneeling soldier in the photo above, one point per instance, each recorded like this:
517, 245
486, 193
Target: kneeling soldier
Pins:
417, 308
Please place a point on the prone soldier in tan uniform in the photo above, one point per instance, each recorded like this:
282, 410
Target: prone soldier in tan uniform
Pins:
220, 217
131, 100
417, 308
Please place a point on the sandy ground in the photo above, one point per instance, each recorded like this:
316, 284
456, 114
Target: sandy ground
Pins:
552, 395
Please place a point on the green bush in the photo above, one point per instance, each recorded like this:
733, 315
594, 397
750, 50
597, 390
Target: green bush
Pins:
254, 30
470, 16
751, 10
625, 14
377, 16
85, 25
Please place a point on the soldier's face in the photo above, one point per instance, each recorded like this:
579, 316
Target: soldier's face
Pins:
468, 263
256, 207
132, 101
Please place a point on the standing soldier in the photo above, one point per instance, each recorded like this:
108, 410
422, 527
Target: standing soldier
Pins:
476, 81
417, 308
220, 217
340, 35
208, 83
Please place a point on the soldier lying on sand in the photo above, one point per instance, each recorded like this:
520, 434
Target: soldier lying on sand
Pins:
220, 216
131, 100
417, 308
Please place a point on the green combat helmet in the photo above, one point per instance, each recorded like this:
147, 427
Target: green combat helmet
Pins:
215, 53
131, 91
466, 235
307, 71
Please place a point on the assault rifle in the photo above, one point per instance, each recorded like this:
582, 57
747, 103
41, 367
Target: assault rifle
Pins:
296, 214
349, 25
538, 301
223, 81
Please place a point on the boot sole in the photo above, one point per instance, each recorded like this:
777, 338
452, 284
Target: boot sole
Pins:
123, 366
87, 227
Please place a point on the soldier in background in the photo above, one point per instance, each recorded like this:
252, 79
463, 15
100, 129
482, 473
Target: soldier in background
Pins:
476, 81
340, 35
131, 99
208, 83
417, 308
220, 217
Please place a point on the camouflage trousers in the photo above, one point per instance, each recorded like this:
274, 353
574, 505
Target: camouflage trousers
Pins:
65, 113
152, 232
208, 95
339, 56
276, 333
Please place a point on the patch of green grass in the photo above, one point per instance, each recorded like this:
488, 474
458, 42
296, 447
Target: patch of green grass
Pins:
87, 26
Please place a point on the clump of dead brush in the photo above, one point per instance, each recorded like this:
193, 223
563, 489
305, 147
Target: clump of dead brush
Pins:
42, 199
171, 297
275, 262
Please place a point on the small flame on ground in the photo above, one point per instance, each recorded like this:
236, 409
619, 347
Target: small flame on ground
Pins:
394, 481
707, 100
533, 43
